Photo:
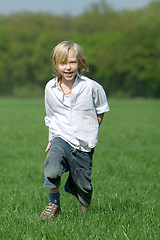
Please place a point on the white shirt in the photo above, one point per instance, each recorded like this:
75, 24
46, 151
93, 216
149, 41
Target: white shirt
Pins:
67, 99
76, 122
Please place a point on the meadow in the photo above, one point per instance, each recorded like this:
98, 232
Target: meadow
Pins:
126, 176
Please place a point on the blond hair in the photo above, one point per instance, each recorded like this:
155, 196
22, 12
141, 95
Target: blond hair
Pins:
60, 53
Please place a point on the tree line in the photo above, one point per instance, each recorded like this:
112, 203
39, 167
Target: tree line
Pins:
122, 48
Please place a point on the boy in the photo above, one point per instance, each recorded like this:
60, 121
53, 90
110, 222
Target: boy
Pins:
75, 106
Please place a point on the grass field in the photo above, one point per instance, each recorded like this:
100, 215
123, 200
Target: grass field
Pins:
126, 176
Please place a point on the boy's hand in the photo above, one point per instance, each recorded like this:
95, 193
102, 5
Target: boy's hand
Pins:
100, 118
48, 147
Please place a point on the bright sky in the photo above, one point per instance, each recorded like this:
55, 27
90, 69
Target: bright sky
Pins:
59, 7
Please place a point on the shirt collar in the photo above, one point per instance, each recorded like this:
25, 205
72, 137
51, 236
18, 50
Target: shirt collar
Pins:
78, 78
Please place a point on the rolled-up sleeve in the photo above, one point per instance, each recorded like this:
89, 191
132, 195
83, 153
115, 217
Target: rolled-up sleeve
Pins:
47, 118
100, 99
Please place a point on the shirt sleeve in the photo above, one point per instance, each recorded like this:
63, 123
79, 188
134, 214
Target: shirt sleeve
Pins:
100, 99
47, 108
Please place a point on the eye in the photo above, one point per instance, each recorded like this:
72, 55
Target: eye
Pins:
73, 62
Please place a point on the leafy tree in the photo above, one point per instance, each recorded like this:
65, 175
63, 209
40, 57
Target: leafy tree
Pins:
3, 57
123, 49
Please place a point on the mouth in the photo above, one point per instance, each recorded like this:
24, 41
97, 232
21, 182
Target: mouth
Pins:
68, 74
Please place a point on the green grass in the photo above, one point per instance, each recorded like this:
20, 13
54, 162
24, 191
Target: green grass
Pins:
126, 180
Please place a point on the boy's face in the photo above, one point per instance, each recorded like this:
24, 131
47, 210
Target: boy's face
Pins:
68, 69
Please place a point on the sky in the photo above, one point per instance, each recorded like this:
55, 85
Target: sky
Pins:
59, 7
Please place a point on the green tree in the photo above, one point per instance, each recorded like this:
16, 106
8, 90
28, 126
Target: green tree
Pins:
122, 48
3, 57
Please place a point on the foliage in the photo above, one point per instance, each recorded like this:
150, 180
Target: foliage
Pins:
126, 181
123, 49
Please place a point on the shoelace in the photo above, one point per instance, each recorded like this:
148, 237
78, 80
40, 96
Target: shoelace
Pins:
50, 208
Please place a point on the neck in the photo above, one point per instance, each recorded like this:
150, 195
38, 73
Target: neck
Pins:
68, 84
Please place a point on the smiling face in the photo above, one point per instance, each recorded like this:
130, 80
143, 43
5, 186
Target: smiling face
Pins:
68, 68
68, 58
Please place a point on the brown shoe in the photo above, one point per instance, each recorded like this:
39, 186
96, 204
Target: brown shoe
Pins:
50, 212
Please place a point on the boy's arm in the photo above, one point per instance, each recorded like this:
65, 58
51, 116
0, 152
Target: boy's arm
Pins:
100, 118
49, 143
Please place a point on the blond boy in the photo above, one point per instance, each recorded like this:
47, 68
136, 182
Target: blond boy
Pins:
75, 106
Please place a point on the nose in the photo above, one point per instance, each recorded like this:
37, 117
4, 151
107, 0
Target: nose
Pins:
68, 66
